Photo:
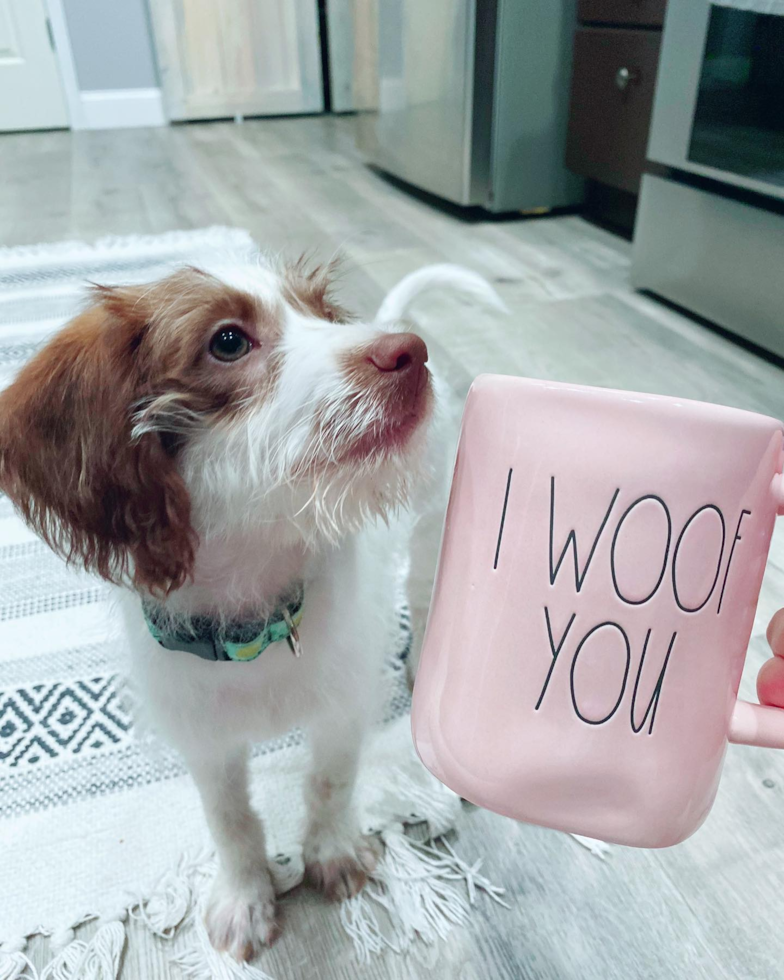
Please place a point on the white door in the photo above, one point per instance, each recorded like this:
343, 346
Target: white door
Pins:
31, 94
238, 57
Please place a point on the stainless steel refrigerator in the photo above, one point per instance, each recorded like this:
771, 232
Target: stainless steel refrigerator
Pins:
473, 100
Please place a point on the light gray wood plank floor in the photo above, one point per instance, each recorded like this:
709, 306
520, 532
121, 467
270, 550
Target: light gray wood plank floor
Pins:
710, 908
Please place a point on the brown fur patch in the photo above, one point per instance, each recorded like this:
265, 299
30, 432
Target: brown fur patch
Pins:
309, 290
116, 504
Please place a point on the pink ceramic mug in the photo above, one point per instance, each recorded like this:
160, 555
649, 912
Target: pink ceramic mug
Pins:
601, 563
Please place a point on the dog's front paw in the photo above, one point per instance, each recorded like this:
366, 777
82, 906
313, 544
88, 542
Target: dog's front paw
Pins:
339, 867
240, 916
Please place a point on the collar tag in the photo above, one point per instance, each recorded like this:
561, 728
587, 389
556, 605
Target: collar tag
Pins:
293, 638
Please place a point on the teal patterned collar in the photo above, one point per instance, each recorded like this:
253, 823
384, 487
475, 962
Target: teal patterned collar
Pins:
210, 639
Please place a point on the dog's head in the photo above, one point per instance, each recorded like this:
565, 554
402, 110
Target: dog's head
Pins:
205, 404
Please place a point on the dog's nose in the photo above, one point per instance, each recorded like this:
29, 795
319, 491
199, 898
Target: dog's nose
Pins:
397, 352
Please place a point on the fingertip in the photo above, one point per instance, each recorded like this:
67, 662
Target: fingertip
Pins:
775, 633
770, 683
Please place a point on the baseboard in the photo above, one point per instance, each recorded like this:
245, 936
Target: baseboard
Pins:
122, 108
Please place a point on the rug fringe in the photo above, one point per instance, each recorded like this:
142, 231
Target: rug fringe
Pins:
415, 885
16, 966
172, 898
201, 962
98, 959
418, 892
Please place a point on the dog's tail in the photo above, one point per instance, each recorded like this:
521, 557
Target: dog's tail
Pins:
401, 297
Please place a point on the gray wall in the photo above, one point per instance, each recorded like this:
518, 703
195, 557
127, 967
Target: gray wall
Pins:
112, 44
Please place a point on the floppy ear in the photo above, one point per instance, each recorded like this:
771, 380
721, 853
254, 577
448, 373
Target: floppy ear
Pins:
68, 461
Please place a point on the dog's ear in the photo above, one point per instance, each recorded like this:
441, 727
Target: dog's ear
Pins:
69, 461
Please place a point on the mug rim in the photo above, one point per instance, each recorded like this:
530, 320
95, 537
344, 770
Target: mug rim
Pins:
693, 407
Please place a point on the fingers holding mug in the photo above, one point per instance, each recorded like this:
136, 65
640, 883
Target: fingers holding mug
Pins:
770, 680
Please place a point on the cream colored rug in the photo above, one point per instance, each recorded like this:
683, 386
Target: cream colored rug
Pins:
96, 825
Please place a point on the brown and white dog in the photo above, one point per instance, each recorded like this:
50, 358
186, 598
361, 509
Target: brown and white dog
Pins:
207, 441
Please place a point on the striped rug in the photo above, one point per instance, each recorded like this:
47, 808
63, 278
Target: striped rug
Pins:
94, 824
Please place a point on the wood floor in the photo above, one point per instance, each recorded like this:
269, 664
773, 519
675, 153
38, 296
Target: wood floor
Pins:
710, 908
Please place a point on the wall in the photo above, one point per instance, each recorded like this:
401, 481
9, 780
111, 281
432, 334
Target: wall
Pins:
111, 43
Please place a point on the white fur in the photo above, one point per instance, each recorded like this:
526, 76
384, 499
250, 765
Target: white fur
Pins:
404, 295
261, 527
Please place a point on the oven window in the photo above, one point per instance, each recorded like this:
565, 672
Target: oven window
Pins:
739, 119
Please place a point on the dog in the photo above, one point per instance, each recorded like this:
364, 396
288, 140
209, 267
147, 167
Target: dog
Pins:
247, 461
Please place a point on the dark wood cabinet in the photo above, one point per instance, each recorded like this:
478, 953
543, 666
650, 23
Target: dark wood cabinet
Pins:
642, 13
613, 81
616, 56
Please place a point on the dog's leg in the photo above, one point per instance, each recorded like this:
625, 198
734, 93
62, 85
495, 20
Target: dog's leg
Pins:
429, 506
240, 916
424, 557
337, 856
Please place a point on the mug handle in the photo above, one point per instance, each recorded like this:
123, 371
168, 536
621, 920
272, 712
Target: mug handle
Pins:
759, 724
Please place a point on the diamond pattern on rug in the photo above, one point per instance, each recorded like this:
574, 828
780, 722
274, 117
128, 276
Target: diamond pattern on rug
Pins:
48, 721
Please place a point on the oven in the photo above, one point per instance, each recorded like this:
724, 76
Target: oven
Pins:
719, 107
710, 224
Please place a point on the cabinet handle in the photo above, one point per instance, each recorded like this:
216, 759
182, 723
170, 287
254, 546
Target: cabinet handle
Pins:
625, 76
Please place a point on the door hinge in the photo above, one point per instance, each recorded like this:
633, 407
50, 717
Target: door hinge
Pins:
49, 31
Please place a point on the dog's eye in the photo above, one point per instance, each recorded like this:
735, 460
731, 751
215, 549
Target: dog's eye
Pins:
229, 344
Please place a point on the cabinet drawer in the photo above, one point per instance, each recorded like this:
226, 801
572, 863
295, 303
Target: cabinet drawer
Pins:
648, 13
613, 80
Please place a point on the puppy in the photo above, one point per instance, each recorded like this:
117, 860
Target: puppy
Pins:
221, 444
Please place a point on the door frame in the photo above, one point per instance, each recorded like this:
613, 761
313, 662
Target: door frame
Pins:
63, 53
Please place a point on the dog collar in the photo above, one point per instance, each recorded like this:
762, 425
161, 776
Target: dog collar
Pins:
208, 638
